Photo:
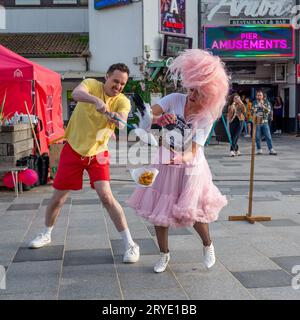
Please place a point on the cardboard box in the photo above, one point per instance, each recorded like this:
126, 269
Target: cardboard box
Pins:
16, 141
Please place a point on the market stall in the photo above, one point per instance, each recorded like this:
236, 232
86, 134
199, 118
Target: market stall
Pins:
25, 82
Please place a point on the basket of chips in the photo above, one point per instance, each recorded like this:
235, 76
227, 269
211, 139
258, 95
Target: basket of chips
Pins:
144, 177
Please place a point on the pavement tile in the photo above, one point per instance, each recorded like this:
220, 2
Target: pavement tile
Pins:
46, 253
172, 231
23, 206
33, 276
45, 202
47, 295
264, 199
7, 252
89, 282
147, 246
144, 278
288, 263
157, 294
263, 255
272, 245
184, 242
6, 200
263, 278
92, 201
281, 293
212, 284
280, 223
291, 192
186, 256
85, 242
88, 257
10, 223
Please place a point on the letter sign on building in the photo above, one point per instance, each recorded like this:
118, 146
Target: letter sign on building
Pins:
250, 41
101, 4
172, 16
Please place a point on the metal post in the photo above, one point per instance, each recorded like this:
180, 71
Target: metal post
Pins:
297, 90
199, 24
297, 86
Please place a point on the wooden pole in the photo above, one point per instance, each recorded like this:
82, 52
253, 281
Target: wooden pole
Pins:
32, 129
248, 217
252, 168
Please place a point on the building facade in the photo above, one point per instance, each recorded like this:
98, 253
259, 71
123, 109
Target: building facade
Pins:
136, 31
52, 33
259, 45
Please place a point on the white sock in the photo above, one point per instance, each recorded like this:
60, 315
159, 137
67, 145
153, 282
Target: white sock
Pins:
126, 236
48, 230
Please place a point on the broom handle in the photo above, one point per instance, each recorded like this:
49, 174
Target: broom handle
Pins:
32, 129
113, 116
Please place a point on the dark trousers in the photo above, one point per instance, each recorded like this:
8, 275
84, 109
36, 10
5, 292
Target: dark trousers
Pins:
236, 127
277, 122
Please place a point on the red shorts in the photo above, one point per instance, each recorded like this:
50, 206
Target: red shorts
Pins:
71, 165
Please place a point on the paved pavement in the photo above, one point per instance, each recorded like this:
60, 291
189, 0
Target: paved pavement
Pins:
84, 260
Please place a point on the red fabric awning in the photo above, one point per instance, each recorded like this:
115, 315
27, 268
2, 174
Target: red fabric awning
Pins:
23, 80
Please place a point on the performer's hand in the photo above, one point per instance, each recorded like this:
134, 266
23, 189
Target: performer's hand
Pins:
112, 120
165, 119
176, 158
100, 106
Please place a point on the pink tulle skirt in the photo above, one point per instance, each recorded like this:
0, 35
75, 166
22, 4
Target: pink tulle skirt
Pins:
180, 196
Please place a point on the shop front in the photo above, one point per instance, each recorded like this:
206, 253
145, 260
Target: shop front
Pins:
258, 49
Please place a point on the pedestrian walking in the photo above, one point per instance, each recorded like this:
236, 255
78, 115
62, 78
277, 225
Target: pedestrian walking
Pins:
277, 115
236, 117
262, 109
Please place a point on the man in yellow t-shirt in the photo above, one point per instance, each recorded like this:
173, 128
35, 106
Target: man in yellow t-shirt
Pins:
87, 135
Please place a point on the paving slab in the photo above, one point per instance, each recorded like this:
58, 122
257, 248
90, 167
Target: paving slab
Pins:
89, 282
46, 253
263, 278
32, 277
87, 257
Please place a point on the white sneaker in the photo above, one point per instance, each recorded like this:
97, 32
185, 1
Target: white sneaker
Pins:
247, 136
273, 152
209, 256
232, 154
132, 254
238, 153
259, 151
39, 241
162, 263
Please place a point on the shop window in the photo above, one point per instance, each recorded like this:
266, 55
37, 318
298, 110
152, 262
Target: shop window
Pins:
280, 72
241, 67
27, 2
64, 1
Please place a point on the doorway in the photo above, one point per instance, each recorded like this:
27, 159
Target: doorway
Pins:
286, 110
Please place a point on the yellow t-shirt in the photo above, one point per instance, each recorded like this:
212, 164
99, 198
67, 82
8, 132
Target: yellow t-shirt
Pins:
88, 130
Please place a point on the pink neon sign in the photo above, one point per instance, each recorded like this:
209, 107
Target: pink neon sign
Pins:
254, 40
250, 40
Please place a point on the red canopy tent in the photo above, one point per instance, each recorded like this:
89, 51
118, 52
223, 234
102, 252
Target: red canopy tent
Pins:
23, 80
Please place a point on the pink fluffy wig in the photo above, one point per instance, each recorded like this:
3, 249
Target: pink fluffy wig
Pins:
199, 69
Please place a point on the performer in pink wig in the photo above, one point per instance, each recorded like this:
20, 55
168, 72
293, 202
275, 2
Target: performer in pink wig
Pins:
183, 193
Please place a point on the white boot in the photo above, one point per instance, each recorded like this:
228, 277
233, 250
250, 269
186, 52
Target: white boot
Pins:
209, 256
162, 263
